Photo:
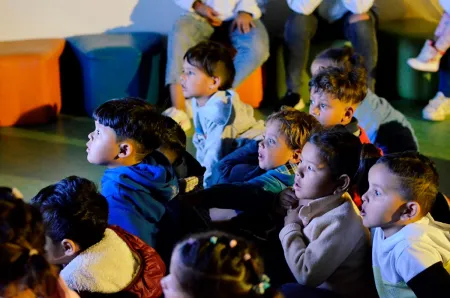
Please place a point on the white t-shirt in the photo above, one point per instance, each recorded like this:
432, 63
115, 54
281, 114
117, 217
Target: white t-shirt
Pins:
399, 258
227, 9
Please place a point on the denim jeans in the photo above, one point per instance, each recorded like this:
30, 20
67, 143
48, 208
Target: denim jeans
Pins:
252, 48
444, 75
300, 29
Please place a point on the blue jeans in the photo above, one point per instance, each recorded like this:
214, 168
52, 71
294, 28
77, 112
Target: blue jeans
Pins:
252, 48
300, 29
444, 75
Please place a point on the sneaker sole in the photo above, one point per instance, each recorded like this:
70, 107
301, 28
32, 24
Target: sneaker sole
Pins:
430, 118
414, 63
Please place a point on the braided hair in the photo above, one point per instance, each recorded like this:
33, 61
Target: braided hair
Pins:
22, 239
220, 265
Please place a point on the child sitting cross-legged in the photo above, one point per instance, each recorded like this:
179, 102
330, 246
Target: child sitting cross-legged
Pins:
270, 163
219, 265
411, 251
139, 180
99, 260
220, 118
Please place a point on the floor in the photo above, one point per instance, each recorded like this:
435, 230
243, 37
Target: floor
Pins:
33, 157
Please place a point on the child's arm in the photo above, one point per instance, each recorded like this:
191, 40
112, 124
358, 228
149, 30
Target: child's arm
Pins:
432, 282
305, 7
248, 6
313, 263
420, 266
245, 155
201, 9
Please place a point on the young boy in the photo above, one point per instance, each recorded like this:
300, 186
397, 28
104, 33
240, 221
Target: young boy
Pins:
336, 92
188, 170
97, 259
139, 179
272, 162
237, 19
220, 117
411, 251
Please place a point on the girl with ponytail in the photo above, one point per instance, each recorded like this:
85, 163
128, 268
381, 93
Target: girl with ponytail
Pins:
216, 265
25, 273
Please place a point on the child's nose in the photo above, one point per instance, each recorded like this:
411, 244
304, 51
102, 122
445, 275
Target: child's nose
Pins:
261, 144
314, 110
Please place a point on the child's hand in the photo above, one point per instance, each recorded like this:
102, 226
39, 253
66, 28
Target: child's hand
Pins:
243, 22
287, 199
292, 217
208, 13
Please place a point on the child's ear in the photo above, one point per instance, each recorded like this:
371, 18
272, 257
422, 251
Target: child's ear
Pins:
125, 149
343, 183
295, 156
216, 82
348, 114
410, 210
70, 247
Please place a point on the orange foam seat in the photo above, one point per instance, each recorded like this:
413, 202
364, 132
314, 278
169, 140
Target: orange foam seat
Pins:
251, 90
29, 81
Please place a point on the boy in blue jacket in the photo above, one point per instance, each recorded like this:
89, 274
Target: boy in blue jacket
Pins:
271, 163
139, 179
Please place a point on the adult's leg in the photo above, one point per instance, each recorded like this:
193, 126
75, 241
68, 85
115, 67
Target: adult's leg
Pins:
186, 33
252, 50
299, 30
361, 31
444, 75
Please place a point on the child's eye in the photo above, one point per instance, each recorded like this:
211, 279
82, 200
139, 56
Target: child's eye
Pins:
310, 168
322, 106
377, 193
271, 141
97, 132
312, 101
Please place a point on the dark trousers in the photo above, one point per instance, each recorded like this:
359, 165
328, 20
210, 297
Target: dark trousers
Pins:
300, 30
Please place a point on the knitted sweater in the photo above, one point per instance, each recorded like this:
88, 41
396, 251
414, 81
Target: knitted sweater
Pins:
332, 250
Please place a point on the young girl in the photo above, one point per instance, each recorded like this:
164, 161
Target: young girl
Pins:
25, 273
216, 265
430, 56
324, 241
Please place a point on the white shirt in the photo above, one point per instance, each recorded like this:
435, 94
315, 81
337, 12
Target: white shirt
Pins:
331, 10
399, 258
227, 9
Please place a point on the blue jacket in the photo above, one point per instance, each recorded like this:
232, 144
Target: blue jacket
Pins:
137, 195
241, 167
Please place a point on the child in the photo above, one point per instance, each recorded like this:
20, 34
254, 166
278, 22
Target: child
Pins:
25, 273
187, 169
216, 265
139, 179
220, 117
386, 127
411, 252
336, 92
97, 259
433, 50
324, 241
237, 19
272, 162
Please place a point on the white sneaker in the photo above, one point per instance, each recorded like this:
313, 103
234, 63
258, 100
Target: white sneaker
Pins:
180, 117
437, 108
428, 59
300, 105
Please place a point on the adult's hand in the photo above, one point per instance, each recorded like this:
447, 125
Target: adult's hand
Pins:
208, 13
243, 22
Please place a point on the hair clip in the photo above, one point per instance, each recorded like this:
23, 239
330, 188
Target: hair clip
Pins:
261, 288
233, 243
213, 240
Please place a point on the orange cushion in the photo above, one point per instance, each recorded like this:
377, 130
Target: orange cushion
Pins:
29, 81
251, 90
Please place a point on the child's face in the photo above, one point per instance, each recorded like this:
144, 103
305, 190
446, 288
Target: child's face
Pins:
170, 285
329, 111
195, 82
273, 151
102, 147
313, 178
383, 201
